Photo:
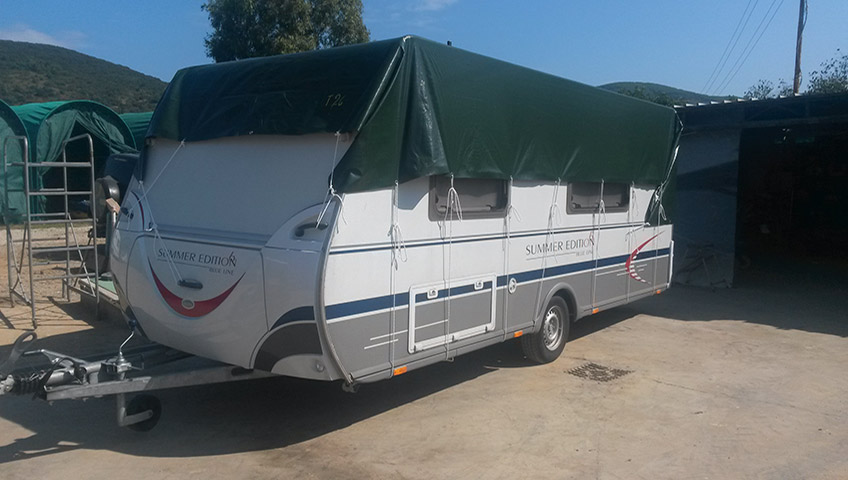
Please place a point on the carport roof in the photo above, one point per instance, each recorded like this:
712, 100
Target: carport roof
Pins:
770, 112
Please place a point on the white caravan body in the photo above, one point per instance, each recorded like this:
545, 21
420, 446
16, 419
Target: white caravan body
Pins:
298, 243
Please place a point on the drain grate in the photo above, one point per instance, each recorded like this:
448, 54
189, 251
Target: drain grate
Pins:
598, 373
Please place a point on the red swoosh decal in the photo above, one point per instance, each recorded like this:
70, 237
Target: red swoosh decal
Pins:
201, 307
630, 270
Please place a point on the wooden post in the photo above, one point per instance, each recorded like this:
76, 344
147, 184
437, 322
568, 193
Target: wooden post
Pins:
802, 20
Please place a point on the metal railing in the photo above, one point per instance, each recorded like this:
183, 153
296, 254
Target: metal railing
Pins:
31, 247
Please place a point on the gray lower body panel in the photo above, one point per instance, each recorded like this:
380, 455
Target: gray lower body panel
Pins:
371, 345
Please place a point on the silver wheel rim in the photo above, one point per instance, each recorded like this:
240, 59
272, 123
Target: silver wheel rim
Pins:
552, 328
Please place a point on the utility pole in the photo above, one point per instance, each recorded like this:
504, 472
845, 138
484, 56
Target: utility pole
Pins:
802, 21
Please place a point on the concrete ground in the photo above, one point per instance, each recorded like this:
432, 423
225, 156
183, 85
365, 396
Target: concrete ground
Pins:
742, 383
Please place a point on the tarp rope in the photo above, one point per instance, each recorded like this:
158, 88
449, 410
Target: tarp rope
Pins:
152, 226
453, 207
660, 215
601, 217
331, 191
628, 237
395, 234
554, 216
144, 191
398, 254
172, 266
510, 211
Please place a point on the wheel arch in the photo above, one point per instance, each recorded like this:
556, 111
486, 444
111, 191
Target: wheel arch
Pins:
564, 291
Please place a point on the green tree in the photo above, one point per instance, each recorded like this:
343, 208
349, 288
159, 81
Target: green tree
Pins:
256, 28
661, 98
784, 89
832, 77
761, 90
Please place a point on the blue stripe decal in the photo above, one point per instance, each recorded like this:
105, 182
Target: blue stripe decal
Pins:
366, 305
401, 299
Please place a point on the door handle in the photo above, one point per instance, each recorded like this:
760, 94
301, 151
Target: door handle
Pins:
301, 229
189, 283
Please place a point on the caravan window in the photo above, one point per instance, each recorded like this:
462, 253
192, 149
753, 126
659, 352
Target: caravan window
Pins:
585, 197
478, 197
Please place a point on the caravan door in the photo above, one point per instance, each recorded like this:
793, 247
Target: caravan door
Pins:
462, 303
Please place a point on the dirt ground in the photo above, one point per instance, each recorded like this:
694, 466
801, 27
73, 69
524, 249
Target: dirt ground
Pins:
53, 308
749, 382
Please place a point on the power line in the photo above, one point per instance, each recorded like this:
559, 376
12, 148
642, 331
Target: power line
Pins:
743, 60
729, 72
733, 39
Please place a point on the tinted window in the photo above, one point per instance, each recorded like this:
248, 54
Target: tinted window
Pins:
478, 197
585, 197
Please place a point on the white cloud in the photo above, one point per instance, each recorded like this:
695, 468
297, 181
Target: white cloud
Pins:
433, 5
23, 33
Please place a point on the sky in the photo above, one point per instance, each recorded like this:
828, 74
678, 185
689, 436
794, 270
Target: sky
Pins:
680, 43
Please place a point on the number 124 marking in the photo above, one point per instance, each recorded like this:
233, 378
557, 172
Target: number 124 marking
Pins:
334, 100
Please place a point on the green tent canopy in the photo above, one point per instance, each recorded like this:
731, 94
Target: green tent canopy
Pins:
11, 151
49, 125
421, 108
138, 124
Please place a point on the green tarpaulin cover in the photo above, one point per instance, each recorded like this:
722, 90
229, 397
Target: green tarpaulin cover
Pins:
138, 124
421, 108
12, 150
48, 125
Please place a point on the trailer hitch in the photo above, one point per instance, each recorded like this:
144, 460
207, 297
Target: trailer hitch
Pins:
68, 377
7, 380
20, 346
62, 370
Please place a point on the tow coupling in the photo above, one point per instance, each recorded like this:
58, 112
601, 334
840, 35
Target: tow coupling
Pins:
67, 377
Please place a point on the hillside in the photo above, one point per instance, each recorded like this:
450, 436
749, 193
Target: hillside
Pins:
31, 72
658, 93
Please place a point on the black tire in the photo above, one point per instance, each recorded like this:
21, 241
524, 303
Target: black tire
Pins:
547, 344
139, 404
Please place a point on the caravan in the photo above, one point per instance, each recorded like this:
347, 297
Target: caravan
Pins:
358, 212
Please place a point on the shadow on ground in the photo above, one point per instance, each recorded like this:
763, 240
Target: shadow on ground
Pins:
104, 338
787, 294
237, 417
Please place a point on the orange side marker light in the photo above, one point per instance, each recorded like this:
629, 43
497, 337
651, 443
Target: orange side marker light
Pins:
518, 334
659, 292
399, 371
595, 310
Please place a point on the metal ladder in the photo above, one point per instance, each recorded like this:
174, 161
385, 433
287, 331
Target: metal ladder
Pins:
24, 260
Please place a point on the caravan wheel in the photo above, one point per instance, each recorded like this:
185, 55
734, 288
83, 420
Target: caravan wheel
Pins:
141, 403
547, 344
